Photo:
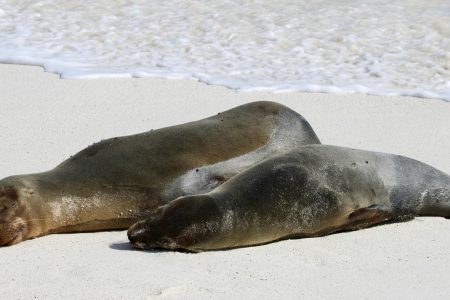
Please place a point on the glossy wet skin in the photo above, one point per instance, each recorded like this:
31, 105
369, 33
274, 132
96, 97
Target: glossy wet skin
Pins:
310, 191
114, 183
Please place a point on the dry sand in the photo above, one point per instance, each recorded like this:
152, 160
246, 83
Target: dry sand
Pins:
44, 120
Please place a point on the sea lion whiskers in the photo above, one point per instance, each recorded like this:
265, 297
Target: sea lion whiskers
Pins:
13, 232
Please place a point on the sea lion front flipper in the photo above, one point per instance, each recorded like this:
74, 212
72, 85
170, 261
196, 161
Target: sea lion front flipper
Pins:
368, 216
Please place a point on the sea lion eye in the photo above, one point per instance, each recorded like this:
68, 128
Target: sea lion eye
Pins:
3, 210
8, 205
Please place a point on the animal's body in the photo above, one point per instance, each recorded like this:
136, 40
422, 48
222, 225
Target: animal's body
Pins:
310, 191
116, 182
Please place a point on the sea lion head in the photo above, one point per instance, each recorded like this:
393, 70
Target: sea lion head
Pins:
14, 226
151, 233
182, 224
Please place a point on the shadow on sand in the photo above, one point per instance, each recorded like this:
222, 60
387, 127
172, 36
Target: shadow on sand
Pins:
126, 246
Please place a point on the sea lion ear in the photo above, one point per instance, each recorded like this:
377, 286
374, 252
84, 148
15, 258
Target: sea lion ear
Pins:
367, 216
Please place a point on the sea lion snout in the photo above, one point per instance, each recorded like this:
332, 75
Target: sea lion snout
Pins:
136, 235
13, 232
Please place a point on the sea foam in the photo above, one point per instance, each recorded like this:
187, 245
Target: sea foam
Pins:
374, 46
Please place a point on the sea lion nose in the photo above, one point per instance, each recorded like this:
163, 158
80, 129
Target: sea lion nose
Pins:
136, 235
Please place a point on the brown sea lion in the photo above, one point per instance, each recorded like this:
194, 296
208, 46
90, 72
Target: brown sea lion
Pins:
310, 191
116, 182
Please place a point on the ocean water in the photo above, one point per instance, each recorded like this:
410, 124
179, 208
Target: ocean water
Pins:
384, 47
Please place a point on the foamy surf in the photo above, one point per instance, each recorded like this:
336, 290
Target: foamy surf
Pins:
375, 47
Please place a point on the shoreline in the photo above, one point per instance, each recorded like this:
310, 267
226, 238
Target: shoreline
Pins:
46, 119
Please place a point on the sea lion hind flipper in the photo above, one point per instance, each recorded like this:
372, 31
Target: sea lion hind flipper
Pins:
368, 216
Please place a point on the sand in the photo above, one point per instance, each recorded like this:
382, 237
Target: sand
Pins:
45, 119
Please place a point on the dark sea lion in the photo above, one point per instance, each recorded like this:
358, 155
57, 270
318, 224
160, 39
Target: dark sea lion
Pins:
116, 182
311, 191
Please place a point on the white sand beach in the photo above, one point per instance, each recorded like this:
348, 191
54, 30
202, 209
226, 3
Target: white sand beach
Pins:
45, 119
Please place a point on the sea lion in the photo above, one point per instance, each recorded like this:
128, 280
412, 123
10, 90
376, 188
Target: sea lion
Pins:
310, 191
116, 182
